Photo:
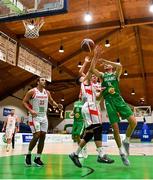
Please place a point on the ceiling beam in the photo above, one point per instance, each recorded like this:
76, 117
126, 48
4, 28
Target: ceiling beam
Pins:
66, 59
141, 60
101, 25
97, 26
10, 92
120, 12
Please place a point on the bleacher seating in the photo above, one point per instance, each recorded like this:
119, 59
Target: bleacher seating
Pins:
24, 128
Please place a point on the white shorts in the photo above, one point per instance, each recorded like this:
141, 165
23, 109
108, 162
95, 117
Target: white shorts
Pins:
9, 133
38, 124
91, 114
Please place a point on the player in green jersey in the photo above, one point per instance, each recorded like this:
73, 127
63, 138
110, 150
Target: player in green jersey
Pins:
78, 124
115, 104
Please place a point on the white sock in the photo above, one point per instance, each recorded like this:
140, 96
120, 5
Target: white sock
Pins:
78, 150
127, 139
38, 155
121, 150
100, 151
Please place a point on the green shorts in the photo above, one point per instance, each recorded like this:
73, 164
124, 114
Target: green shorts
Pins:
78, 128
116, 106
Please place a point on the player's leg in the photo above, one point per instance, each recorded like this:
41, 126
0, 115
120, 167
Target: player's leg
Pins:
75, 135
40, 147
13, 140
8, 135
75, 155
79, 135
35, 128
121, 148
132, 124
43, 128
114, 120
102, 157
8, 144
126, 113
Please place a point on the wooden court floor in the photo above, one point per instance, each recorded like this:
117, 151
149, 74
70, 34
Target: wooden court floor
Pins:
59, 166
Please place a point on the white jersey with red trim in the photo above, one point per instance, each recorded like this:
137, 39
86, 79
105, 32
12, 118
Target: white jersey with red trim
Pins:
11, 120
90, 109
88, 93
39, 102
97, 86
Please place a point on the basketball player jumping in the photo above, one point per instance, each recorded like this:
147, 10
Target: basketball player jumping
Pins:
92, 119
36, 102
115, 105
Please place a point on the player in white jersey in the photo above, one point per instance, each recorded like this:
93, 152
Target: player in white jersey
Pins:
10, 125
36, 102
92, 118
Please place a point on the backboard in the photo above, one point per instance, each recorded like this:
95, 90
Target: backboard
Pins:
142, 111
14, 10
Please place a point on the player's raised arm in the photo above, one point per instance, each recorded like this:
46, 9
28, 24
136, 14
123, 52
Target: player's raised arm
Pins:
97, 53
118, 66
82, 69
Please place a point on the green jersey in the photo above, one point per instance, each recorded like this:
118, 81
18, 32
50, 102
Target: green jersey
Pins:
77, 110
110, 81
114, 102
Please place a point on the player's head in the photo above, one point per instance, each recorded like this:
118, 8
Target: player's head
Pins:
41, 81
108, 67
94, 78
12, 111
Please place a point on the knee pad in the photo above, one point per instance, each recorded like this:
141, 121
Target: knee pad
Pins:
88, 136
98, 134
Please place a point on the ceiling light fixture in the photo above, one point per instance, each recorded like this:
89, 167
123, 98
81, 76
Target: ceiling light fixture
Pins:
61, 49
151, 7
79, 65
62, 99
88, 16
125, 73
107, 44
133, 92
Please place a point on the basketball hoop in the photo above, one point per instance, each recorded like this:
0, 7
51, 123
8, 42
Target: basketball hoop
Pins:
32, 27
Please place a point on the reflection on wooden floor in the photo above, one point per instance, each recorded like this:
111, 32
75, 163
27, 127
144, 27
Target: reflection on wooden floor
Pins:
66, 148
59, 166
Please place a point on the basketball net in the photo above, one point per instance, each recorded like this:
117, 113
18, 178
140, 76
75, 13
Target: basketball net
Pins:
32, 27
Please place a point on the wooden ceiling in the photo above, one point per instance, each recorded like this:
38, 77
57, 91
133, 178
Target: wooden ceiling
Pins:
126, 23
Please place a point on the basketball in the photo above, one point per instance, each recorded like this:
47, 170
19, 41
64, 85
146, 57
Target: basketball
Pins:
87, 45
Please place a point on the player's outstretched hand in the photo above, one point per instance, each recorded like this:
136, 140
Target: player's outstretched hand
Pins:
98, 51
60, 106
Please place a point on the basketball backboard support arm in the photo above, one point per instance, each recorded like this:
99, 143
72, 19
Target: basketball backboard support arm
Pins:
42, 12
